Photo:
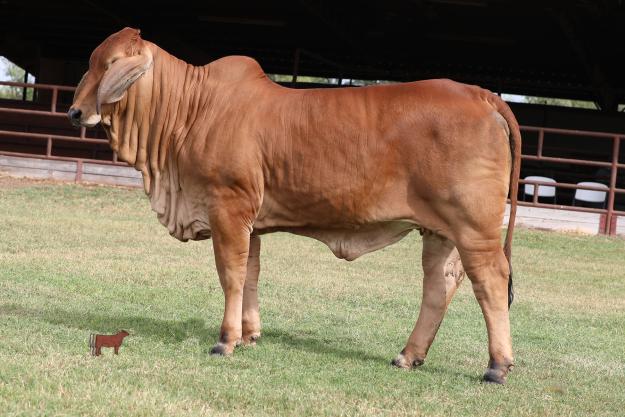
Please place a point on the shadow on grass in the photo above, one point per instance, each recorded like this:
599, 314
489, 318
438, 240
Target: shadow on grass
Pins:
166, 331
176, 331
313, 344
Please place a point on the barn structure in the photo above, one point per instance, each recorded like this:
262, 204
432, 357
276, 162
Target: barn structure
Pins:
560, 57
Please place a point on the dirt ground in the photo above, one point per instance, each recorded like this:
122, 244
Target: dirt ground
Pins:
9, 182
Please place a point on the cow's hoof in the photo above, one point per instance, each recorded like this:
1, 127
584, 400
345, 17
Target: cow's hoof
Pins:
402, 362
495, 376
251, 339
220, 349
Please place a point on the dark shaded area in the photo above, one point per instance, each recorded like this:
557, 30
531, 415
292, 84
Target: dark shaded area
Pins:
564, 48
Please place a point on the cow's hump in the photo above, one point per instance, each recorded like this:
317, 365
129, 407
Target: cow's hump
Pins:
236, 68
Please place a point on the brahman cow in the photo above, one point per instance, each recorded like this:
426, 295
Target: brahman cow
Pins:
227, 153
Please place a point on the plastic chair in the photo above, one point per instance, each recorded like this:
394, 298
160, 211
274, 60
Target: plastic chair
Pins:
591, 196
543, 190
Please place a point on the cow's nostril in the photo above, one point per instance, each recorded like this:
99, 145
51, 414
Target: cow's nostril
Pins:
74, 114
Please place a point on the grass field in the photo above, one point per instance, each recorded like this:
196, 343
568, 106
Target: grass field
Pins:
76, 260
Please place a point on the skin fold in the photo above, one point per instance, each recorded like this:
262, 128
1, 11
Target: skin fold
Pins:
227, 154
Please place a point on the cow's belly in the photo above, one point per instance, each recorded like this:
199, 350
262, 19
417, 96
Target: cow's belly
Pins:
350, 230
351, 243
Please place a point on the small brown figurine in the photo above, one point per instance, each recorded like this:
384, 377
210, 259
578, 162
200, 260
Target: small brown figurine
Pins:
97, 341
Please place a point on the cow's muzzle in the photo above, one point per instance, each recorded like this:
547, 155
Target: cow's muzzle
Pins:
74, 116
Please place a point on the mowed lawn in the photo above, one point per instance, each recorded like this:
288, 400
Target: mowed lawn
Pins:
76, 260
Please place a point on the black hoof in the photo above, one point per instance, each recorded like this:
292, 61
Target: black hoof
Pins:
401, 362
218, 350
397, 362
494, 376
250, 340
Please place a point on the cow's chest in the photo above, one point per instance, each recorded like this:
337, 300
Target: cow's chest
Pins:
181, 210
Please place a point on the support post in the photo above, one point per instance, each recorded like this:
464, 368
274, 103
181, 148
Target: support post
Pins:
613, 172
296, 59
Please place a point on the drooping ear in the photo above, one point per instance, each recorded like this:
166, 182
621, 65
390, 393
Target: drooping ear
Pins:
80, 86
120, 75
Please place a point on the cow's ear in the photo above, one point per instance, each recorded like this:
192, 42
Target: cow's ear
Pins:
120, 75
80, 86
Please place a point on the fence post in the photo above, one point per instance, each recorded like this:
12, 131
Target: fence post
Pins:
55, 93
296, 59
541, 141
613, 172
78, 171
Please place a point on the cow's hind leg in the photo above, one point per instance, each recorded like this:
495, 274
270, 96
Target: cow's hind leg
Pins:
443, 273
488, 271
251, 312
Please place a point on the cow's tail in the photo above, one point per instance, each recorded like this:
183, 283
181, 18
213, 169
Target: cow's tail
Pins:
515, 169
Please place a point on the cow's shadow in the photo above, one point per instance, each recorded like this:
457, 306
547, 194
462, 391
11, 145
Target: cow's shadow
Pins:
171, 331
165, 331
177, 331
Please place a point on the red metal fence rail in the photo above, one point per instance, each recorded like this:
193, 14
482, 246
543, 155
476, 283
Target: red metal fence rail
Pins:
609, 213
50, 138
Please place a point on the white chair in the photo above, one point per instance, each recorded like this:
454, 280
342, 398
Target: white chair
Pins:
591, 196
543, 190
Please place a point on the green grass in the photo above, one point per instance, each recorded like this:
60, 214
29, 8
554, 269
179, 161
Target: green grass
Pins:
76, 260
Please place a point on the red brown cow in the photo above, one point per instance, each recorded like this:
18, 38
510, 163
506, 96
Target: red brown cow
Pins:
227, 153
98, 341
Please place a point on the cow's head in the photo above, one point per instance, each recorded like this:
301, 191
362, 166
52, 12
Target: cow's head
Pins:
113, 66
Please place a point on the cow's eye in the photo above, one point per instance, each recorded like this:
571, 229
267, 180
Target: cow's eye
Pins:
111, 62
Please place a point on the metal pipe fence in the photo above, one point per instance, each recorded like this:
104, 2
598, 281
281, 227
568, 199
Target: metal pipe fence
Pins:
609, 213
49, 138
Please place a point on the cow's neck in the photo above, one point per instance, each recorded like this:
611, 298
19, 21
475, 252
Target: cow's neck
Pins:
149, 127
158, 110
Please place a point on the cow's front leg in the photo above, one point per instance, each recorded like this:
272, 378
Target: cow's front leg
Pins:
251, 312
231, 240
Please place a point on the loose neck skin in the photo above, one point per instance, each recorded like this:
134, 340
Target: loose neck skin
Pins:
153, 118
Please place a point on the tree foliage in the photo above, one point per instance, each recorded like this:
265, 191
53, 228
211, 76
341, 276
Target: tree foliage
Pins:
549, 101
14, 73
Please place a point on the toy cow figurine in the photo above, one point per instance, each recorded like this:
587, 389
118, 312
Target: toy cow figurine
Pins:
97, 341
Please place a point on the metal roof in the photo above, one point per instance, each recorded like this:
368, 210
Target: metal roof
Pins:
555, 48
